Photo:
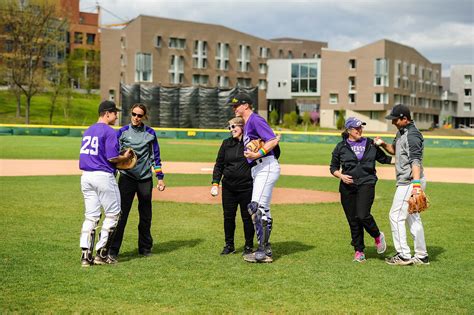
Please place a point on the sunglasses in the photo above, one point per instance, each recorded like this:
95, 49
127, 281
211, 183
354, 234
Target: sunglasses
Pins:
138, 115
232, 127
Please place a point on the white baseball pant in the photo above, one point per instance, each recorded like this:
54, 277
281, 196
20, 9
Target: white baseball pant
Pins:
399, 216
100, 189
265, 175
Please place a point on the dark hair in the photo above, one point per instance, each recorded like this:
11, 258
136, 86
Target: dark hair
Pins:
142, 107
345, 134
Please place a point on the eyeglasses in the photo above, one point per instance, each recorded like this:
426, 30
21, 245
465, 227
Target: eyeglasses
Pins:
232, 127
138, 115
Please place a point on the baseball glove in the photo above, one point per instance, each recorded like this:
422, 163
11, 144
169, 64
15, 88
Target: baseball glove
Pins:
418, 203
255, 145
127, 164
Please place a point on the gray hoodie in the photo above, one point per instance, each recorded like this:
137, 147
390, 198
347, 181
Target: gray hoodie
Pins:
408, 144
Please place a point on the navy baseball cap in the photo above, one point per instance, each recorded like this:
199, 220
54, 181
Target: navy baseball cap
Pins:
353, 122
240, 98
108, 106
399, 111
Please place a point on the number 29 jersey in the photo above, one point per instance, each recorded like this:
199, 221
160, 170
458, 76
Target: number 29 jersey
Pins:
99, 145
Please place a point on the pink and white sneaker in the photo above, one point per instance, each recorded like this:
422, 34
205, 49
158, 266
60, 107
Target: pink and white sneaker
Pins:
380, 243
359, 256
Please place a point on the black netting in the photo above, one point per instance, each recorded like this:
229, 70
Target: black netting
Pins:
150, 96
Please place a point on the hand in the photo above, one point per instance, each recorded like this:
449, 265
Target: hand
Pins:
214, 190
416, 191
128, 153
347, 179
161, 185
251, 155
378, 141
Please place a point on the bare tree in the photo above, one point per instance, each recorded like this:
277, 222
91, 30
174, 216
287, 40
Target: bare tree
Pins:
30, 29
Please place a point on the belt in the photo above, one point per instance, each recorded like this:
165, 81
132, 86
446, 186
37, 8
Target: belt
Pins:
258, 161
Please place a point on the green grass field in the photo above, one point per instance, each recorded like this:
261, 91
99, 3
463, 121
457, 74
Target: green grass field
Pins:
313, 270
82, 111
44, 147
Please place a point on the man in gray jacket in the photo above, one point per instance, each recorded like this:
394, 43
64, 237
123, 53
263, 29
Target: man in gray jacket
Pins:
408, 150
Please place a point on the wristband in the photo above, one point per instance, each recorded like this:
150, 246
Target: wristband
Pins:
416, 183
262, 152
157, 170
215, 184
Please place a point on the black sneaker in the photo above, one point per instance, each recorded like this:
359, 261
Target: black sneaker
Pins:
247, 250
145, 253
420, 261
397, 259
228, 250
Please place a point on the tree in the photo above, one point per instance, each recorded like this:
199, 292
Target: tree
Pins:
274, 117
58, 81
340, 120
306, 120
31, 29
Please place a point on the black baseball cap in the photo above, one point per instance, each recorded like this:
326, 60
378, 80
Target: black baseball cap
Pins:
108, 106
399, 111
240, 98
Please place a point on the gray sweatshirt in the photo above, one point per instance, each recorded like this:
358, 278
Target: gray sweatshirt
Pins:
408, 144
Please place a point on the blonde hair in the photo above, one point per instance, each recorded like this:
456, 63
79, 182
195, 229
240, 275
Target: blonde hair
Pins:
237, 121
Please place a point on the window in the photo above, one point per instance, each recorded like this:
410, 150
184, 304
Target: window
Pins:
304, 55
352, 98
304, 77
374, 115
222, 56
467, 107
262, 84
333, 98
280, 54
264, 52
200, 79
381, 98
413, 69
222, 81
290, 54
90, 39
467, 79
123, 60
381, 72
143, 67
244, 58
176, 69
352, 83
467, 92
123, 42
244, 82
158, 42
177, 43
200, 54
263, 68
352, 64
78, 37
398, 71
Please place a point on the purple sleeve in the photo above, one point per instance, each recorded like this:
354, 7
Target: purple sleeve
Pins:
156, 155
111, 144
263, 129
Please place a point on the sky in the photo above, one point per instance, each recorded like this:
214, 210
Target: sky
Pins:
441, 30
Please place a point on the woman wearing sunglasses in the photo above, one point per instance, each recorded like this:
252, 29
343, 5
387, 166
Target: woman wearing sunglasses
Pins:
138, 180
353, 162
232, 167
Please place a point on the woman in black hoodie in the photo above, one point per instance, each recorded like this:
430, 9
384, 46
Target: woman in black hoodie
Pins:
356, 155
237, 183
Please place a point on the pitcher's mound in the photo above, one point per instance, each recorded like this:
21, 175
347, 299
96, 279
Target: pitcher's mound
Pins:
201, 194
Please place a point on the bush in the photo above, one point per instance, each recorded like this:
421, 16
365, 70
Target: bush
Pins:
340, 120
274, 117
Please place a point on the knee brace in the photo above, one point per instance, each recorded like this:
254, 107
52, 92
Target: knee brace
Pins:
256, 215
267, 229
109, 226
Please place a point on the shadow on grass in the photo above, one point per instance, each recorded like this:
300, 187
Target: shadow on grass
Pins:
371, 252
281, 249
161, 248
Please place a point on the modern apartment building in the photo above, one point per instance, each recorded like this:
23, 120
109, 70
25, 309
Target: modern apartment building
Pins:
368, 81
461, 83
167, 52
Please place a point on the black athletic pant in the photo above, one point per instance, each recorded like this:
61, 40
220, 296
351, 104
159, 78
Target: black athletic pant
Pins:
357, 202
230, 201
143, 189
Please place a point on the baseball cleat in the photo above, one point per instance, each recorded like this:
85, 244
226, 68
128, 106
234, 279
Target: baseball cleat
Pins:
420, 261
107, 260
86, 259
251, 258
398, 260
247, 250
380, 243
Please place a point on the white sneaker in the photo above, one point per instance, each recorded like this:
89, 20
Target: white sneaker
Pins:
380, 243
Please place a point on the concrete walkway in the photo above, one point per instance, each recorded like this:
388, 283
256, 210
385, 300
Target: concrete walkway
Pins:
71, 167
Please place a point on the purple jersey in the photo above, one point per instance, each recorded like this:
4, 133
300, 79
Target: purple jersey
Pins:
358, 147
99, 145
257, 128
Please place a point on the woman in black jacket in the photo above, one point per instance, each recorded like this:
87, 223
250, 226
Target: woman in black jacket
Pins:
356, 155
232, 167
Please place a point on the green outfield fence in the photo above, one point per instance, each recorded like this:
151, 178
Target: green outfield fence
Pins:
219, 134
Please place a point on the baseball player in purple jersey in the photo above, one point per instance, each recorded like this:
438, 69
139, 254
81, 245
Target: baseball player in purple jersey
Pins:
99, 151
265, 172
